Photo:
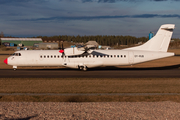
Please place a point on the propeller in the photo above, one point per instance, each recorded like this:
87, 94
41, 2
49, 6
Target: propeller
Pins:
62, 50
86, 49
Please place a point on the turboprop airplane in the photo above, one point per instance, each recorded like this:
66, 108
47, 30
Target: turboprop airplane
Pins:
83, 58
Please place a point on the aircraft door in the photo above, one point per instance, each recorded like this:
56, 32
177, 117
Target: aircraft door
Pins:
65, 59
131, 57
16, 58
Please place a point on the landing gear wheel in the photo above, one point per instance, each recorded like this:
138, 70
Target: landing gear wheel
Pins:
81, 67
84, 68
15, 68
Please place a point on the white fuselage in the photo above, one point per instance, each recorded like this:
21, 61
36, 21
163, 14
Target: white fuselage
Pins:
153, 49
106, 58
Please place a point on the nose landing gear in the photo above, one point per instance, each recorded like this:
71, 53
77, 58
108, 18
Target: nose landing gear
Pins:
15, 68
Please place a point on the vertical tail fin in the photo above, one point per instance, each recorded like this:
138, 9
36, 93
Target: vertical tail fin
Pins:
159, 42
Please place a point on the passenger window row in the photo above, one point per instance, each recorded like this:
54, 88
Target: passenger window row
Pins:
98, 56
50, 56
83, 56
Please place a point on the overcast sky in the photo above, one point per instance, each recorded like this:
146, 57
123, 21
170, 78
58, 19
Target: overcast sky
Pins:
28, 18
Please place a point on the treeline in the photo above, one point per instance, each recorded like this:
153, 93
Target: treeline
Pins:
175, 43
102, 40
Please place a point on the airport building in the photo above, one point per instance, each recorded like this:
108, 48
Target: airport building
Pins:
20, 41
46, 45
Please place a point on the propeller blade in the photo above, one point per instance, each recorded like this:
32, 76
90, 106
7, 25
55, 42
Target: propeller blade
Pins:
62, 47
62, 50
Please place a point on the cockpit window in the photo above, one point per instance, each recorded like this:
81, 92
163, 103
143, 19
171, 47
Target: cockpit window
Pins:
16, 54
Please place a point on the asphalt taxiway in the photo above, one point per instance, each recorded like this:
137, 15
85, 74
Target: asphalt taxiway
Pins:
89, 94
113, 72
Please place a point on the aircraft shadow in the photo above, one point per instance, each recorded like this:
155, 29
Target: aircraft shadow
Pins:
177, 55
117, 68
146, 68
26, 118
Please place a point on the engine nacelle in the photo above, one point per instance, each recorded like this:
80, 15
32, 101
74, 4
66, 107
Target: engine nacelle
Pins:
72, 51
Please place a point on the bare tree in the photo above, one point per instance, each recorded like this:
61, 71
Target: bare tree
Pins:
2, 34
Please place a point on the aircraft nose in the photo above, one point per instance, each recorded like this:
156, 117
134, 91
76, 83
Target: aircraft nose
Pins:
6, 61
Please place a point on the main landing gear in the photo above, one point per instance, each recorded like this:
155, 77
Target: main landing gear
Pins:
84, 68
